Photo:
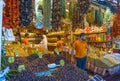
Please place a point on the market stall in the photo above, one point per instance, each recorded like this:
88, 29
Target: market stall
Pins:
38, 38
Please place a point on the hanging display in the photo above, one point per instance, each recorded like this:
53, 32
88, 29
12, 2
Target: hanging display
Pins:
100, 18
47, 14
26, 14
39, 13
63, 12
96, 17
90, 17
79, 10
70, 10
116, 24
11, 14
83, 6
77, 19
56, 14
108, 21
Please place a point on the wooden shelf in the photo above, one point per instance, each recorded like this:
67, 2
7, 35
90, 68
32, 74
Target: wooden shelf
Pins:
90, 33
32, 38
52, 45
96, 33
56, 33
98, 41
52, 35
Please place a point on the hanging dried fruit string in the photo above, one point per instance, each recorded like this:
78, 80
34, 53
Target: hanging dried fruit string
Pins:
70, 10
116, 23
15, 13
90, 17
75, 16
108, 20
47, 14
63, 12
96, 17
100, 18
56, 14
11, 14
26, 14
79, 11
83, 9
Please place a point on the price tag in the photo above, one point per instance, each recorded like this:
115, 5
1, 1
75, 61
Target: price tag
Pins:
11, 59
40, 54
57, 51
21, 68
17, 52
62, 62
33, 52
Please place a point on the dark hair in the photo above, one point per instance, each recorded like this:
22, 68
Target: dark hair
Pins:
59, 37
82, 34
26, 34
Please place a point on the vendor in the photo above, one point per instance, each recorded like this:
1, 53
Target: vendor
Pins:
81, 50
59, 44
43, 43
25, 40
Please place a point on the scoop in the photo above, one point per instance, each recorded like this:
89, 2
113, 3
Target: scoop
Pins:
53, 65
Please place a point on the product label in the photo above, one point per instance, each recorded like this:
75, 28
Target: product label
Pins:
21, 68
11, 59
40, 54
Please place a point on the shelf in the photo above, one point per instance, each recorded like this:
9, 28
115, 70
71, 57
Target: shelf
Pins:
96, 33
32, 38
99, 41
101, 47
56, 33
52, 44
28, 33
90, 33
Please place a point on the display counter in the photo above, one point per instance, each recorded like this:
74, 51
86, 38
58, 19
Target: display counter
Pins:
101, 65
15, 50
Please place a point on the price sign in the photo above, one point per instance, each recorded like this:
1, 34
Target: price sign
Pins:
21, 68
57, 51
62, 62
40, 54
17, 52
11, 59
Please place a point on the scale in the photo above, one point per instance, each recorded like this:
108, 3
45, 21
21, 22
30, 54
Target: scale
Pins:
96, 78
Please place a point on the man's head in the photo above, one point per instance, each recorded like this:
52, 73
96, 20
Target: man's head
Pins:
83, 36
59, 38
26, 35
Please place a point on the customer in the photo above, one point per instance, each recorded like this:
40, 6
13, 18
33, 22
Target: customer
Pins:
43, 43
59, 44
81, 50
25, 40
